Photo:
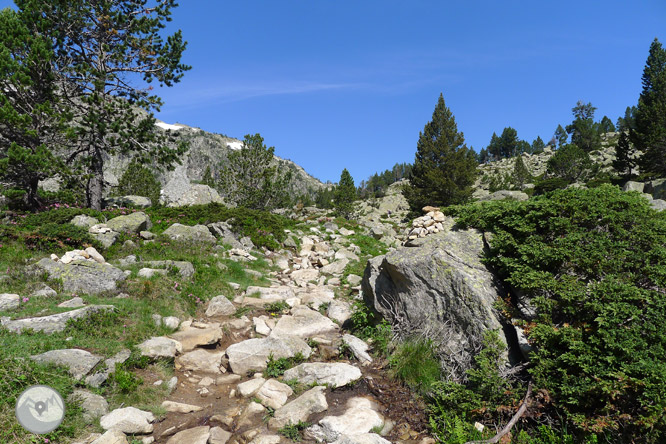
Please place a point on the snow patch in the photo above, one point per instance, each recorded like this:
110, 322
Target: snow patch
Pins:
235, 145
167, 126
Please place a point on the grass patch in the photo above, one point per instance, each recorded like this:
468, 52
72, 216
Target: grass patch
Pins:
294, 431
415, 363
277, 367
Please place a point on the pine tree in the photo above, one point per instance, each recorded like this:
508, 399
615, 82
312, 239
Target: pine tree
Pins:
345, 194
624, 155
584, 131
444, 168
560, 136
251, 177
137, 180
494, 148
650, 134
520, 173
33, 119
606, 126
570, 163
107, 54
538, 145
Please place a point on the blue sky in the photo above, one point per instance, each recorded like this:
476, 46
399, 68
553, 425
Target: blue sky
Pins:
349, 84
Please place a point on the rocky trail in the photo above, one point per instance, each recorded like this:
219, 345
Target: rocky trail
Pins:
273, 365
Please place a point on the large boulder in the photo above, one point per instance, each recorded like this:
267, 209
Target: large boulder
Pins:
78, 362
252, 354
128, 201
197, 194
657, 188
197, 234
440, 287
130, 223
52, 323
85, 277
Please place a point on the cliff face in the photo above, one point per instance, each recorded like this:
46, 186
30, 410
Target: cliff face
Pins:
206, 150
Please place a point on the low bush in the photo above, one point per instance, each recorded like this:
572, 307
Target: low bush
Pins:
51, 236
544, 186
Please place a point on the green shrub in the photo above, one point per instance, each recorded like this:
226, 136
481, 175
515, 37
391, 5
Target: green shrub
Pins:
592, 263
546, 185
293, 431
571, 163
50, 237
277, 367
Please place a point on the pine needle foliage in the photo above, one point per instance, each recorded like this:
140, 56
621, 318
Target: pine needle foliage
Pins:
444, 168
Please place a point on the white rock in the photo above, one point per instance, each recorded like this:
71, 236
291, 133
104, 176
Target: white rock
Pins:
220, 306
218, 436
160, 347
111, 437
150, 272
201, 361
249, 388
196, 435
128, 420
9, 301
336, 267
261, 327
302, 277
252, 354
281, 292
266, 439
178, 407
358, 347
192, 337
171, 322
339, 311
274, 394
311, 402
94, 254
336, 374
305, 323
360, 417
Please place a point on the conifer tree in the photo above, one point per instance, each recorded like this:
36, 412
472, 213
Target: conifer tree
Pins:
570, 163
509, 145
251, 177
444, 168
624, 155
650, 134
345, 194
137, 180
538, 145
520, 173
606, 126
33, 120
107, 54
560, 136
584, 131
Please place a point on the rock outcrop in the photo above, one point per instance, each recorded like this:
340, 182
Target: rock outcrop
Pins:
438, 287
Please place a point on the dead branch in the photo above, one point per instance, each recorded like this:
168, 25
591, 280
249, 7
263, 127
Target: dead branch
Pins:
495, 439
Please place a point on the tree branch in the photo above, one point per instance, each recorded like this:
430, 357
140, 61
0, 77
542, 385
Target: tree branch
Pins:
521, 411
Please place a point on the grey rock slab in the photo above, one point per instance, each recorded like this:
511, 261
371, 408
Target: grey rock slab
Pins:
150, 272
441, 286
305, 323
281, 292
336, 267
160, 347
220, 306
658, 204
93, 405
72, 303
9, 301
197, 234
311, 402
223, 231
130, 223
201, 360
46, 291
303, 276
363, 438
315, 297
81, 276
128, 420
354, 280
252, 354
191, 337
358, 347
111, 437
266, 439
107, 239
336, 374
78, 362
249, 388
53, 323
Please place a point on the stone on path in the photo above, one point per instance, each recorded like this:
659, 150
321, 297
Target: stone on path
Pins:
305, 323
160, 347
201, 360
311, 402
252, 354
79, 362
128, 420
274, 393
281, 292
191, 337
360, 417
302, 277
111, 437
339, 311
97, 379
218, 436
249, 388
364, 438
266, 439
336, 267
358, 347
336, 374
220, 306
179, 407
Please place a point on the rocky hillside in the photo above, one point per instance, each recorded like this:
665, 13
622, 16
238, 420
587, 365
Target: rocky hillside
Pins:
182, 185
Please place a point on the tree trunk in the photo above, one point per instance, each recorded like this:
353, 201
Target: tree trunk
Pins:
96, 182
30, 198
